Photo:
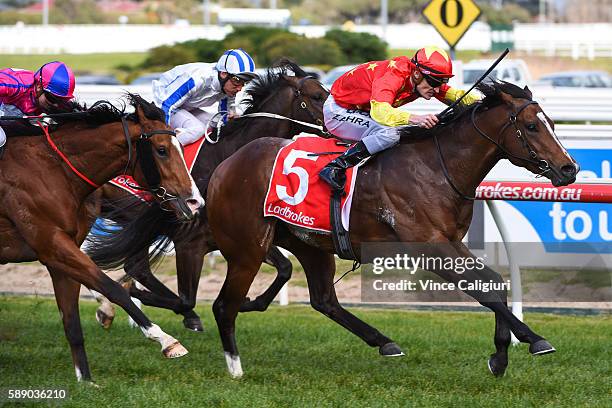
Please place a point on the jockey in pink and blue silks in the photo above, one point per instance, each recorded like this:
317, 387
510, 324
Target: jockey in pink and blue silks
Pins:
33, 93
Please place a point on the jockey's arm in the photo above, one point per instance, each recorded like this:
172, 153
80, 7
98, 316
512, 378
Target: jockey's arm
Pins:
9, 87
448, 95
384, 90
176, 93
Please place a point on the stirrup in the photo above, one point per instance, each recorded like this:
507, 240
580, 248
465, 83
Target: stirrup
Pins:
333, 182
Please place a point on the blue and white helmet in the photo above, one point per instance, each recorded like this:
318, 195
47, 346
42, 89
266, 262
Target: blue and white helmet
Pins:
237, 62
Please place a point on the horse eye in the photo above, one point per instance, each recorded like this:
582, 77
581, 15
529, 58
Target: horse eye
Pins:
531, 127
162, 151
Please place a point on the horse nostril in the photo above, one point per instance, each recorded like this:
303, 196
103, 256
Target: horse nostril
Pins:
194, 205
569, 170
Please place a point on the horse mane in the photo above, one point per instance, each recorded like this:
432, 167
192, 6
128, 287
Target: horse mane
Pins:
492, 91
261, 88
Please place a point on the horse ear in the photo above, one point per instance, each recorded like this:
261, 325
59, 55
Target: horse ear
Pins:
507, 98
526, 89
140, 114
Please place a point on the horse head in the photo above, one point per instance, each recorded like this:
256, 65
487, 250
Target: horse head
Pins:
286, 90
161, 165
527, 137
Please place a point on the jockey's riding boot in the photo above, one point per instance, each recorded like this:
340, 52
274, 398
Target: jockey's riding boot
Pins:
334, 173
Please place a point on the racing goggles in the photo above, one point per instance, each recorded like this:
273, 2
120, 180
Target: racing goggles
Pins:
435, 82
237, 81
54, 99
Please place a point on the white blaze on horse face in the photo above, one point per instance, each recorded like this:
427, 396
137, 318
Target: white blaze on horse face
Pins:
233, 365
542, 117
196, 201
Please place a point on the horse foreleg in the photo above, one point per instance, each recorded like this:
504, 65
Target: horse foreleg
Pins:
284, 268
498, 362
319, 268
67, 298
189, 261
63, 256
240, 275
105, 313
497, 302
158, 294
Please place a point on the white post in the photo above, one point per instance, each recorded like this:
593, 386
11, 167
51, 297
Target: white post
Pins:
283, 295
515, 272
384, 18
45, 12
206, 12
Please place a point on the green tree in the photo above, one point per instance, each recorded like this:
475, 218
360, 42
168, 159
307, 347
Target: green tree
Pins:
165, 57
204, 50
76, 12
252, 39
506, 15
358, 47
304, 51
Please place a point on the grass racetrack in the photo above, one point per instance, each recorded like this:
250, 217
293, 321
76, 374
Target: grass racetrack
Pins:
293, 356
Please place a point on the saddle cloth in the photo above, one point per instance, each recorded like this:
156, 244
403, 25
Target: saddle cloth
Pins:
127, 183
296, 194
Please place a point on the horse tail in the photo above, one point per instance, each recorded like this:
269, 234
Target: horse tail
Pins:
124, 235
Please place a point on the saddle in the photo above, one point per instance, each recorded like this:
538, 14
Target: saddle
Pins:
17, 128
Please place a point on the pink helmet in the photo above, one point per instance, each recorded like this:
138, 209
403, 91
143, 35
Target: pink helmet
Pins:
57, 79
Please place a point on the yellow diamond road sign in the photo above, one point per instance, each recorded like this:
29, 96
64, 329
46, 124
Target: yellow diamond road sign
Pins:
451, 18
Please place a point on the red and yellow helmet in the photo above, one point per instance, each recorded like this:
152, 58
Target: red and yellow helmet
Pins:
433, 61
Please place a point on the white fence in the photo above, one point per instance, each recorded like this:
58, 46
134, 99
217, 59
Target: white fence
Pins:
85, 39
575, 40
561, 104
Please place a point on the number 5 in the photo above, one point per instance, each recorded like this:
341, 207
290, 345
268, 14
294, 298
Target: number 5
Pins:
289, 168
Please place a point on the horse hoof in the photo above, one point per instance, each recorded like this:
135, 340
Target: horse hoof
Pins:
175, 350
105, 320
541, 347
391, 350
90, 383
495, 368
193, 324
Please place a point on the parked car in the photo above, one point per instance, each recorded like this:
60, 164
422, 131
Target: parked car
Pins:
584, 79
97, 80
335, 73
512, 70
146, 79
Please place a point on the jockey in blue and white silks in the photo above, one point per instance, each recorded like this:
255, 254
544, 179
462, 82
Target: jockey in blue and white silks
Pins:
183, 90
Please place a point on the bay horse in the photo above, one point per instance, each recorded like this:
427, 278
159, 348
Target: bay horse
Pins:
401, 195
296, 96
44, 185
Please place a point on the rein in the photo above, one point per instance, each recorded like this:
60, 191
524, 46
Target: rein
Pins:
300, 97
83, 177
145, 153
144, 149
532, 159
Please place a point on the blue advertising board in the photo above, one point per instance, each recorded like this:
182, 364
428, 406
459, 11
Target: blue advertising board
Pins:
574, 227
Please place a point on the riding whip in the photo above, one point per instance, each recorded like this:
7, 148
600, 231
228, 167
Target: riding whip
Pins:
446, 111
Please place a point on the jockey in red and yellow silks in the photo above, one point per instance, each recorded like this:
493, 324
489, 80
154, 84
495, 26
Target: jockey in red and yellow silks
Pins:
363, 104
